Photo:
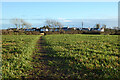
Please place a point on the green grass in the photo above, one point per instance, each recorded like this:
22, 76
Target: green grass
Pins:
16, 54
73, 56
85, 56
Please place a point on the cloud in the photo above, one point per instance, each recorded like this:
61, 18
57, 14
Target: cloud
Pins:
64, 20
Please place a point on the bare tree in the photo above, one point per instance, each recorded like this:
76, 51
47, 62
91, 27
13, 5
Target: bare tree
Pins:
53, 23
25, 24
20, 22
59, 24
28, 25
16, 22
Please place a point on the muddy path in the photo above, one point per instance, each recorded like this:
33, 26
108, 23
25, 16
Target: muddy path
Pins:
41, 68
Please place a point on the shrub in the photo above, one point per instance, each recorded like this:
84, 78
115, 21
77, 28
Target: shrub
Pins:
91, 32
20, 32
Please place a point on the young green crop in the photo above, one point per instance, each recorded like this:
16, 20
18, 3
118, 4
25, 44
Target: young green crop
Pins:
16, 55
87, 56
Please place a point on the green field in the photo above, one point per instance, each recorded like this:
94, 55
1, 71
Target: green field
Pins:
85, 56
16, 54
74, 56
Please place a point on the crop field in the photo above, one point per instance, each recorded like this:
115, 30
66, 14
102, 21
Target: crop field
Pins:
64, 56
85, 56
16, 55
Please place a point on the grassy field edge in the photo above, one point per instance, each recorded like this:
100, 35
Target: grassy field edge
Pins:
19, 63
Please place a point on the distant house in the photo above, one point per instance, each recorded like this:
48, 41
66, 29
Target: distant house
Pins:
74, 28
44, 29
85, 29
102, 29
97, 29
29, 29
94, 29
56, 29
65, 28
51, 29
37, 29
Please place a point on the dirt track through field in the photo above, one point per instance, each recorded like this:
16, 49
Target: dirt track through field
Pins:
41, 70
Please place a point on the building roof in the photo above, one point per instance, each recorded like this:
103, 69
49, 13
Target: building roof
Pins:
94, 29
65, 28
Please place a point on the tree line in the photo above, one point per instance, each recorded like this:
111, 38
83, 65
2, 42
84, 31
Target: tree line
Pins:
20, 23
50, 23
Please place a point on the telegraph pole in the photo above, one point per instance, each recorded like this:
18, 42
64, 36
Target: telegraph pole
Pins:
82, 24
